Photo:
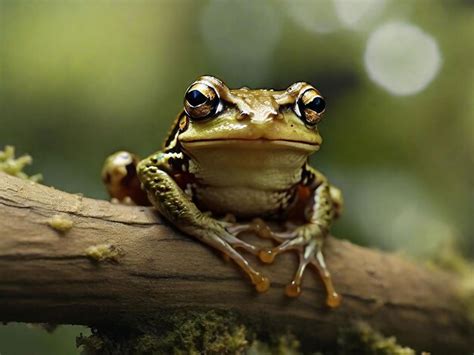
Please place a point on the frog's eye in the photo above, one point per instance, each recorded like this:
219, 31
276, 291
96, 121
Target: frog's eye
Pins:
309, 106
200, 101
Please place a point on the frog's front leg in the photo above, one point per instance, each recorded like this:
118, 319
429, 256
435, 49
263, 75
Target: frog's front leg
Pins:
308, 238
171, 201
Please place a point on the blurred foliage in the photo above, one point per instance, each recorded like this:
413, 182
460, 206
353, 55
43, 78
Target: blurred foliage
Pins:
82, 79
20, 339
361, 339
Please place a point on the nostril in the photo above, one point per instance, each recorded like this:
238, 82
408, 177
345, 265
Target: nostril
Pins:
244, 116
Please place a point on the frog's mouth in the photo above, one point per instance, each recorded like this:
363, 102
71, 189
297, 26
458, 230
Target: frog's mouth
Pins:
251, 143
247, 159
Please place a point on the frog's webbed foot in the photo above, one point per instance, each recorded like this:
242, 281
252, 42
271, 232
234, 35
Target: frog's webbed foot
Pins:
307, 241
258, 227
311, 254
227, 242
231, 238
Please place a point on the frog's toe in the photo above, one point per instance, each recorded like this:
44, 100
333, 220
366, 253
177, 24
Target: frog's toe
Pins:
333, 299
228, 245
229, 218
262, 283
267, 255
237, 243
257, 226
261, 229
293, 289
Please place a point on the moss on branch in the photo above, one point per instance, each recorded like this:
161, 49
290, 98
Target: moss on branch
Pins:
225, 332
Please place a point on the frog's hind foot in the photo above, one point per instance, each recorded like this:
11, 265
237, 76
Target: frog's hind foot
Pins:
260, 282
261, 229
237, 243
301, 240
311, 255
119, 175
308, 247
221, 235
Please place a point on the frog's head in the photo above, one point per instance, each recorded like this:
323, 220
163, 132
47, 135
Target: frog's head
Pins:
214, 116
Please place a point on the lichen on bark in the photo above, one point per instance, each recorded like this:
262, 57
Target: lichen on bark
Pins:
15, 166
103, 252
60, 223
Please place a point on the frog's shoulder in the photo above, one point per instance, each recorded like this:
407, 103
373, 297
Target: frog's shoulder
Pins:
171, 140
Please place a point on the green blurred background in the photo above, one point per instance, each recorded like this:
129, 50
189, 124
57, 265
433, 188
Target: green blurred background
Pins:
82, 79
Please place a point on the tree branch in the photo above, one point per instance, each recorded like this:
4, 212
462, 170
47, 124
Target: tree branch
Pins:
120, 263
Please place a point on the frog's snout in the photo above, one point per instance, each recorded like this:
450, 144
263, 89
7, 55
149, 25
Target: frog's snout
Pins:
261, 118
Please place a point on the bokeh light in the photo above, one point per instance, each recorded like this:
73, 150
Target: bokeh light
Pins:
315, 16
358, 13
402, 58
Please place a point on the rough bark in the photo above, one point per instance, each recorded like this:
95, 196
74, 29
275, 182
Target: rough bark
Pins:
47, 276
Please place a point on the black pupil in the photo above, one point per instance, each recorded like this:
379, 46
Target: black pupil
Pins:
195, 98
317, 105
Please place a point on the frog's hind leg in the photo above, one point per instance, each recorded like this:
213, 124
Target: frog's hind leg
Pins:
119, 175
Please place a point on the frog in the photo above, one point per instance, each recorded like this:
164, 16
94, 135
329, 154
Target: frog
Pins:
233, 160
